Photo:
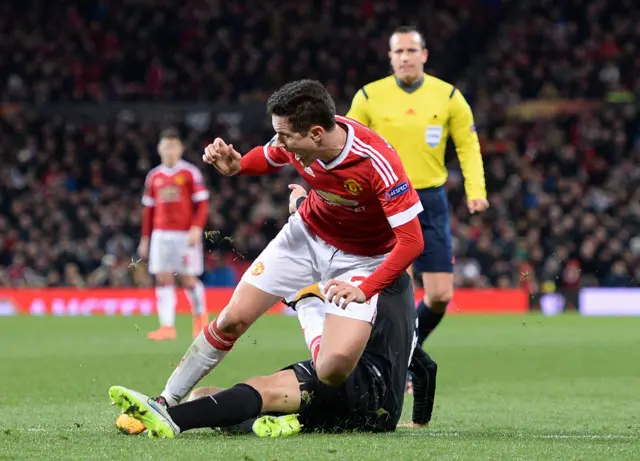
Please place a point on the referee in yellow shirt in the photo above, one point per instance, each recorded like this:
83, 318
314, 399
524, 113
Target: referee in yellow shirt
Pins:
416, 113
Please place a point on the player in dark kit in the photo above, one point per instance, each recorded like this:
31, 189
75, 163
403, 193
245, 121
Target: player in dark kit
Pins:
294, 399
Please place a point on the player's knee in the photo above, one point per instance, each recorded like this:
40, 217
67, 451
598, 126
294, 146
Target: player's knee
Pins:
334, 369
198, 393
164, 280
265, 386
188, 281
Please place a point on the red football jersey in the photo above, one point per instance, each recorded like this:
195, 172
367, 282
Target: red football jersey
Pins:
173, 192
358, 197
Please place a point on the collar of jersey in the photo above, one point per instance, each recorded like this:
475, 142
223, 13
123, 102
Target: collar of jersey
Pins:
411, 87
345, 150
173, 170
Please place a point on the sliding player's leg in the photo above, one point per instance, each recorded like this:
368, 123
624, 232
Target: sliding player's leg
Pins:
215, 341
278, 393
281, 270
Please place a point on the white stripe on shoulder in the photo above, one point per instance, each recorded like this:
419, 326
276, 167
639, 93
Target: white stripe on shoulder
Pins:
385, 177
191, 168
378, 157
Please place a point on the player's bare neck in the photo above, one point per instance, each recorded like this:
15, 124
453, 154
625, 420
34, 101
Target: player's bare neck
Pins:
333, 143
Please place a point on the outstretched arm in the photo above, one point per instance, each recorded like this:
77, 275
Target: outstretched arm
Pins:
258, 161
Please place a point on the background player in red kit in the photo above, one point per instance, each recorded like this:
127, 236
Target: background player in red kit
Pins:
175, 211
354, 235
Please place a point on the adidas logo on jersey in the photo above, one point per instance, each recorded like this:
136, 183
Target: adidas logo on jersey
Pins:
411, 112
309, 171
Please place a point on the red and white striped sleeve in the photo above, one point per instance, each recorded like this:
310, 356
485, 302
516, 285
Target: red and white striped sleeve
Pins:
276, 156
401, 206
148, 197
199, 190
397, 196
263, 160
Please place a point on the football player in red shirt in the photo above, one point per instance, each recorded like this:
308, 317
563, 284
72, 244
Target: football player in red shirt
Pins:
175, 211
356, 232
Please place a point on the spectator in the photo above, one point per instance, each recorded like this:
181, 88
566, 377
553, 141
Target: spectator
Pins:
564, 194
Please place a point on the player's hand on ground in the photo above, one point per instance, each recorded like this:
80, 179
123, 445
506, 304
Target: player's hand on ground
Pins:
342, 293
143, 248
297, 191
194, 237
222, 156
478, 205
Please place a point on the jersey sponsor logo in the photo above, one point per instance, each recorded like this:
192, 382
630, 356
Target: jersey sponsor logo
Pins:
169, 194
257, 269
433, 135
396, 191
335, 199
352, 186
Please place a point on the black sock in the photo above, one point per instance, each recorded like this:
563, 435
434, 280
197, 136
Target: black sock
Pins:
226, 408
245, 427
427, 321
424, 371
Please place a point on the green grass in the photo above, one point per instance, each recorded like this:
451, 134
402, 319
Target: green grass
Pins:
509, 388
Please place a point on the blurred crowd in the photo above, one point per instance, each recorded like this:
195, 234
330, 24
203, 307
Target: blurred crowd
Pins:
564, 190
187, 50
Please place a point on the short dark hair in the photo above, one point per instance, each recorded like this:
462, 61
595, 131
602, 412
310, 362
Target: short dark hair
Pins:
410, 30
304, 103
170, 133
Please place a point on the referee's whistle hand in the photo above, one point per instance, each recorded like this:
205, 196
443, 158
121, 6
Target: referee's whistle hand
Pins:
478, 205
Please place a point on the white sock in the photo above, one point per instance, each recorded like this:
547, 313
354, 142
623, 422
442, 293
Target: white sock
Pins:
200, 359
311, 313
166, 305
197, 298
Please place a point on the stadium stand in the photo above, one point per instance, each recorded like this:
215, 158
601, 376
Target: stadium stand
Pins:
563, 173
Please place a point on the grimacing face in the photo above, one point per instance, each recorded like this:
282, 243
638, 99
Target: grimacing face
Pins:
303, 146
407, 56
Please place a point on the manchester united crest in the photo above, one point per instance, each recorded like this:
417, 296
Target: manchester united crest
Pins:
257, 269
352, 186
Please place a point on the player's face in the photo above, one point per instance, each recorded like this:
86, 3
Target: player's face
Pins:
170, 151
304, 146
407, 56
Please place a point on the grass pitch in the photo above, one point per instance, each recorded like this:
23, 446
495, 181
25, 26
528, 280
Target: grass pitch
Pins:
509, 388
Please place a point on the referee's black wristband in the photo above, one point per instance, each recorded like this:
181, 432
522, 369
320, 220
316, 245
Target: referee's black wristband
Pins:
299, 202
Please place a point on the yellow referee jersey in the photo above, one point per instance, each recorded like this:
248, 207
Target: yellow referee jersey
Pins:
418, 124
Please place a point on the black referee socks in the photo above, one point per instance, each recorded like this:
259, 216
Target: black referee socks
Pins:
427, 321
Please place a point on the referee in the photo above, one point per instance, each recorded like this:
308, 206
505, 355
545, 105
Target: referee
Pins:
416, 113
